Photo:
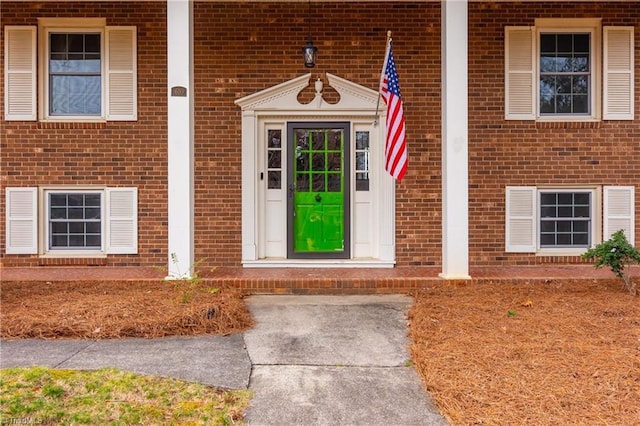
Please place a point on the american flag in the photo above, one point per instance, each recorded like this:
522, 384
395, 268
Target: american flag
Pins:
395, 150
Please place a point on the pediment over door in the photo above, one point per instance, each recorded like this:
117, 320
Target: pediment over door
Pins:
284, 97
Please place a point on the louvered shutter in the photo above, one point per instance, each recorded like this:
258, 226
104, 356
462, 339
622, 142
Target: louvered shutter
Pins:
121, 81
20, 73
22, 220
619, 211
520, 219
618, 73
122, 220
520, 84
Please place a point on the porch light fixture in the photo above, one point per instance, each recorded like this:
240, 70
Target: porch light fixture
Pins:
309, 52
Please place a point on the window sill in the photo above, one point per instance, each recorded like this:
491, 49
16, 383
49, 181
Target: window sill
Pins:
568, 124
561, 252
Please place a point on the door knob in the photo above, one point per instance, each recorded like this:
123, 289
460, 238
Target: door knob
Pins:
318, 198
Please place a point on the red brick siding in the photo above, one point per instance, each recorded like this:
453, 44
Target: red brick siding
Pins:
110, 154
237, 54
505, 153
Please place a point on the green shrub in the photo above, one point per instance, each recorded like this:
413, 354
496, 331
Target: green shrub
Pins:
618, 254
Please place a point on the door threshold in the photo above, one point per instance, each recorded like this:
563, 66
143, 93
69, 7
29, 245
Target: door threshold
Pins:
318, 263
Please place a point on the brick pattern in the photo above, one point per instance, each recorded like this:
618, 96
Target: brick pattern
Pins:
237, 54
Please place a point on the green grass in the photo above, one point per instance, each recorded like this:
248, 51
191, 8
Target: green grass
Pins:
112, 397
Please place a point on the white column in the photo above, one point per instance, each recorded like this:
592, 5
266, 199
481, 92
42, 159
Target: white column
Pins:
455, 140
180, 128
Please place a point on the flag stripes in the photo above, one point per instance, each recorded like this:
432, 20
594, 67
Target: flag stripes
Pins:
395, 152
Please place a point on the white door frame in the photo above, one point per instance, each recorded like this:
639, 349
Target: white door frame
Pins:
278, 105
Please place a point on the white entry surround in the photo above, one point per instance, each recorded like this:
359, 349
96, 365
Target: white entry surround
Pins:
264, 210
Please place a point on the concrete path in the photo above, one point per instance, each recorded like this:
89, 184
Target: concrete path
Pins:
310, 360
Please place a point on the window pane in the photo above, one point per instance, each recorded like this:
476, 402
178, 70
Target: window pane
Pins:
564, 42
275, 159
318, 184
547, 43
274, 139
548, 212
58, 213
581, 43
76, 227
334, 182
302, 162
93, 227
93, 241
582, 198
92, 213
59, 241
302, 182
581, 239
547, 240
318, 162
57, 199
59, 227
548, 226
274, 180
335, 161
362, 140
318, 141
335, 140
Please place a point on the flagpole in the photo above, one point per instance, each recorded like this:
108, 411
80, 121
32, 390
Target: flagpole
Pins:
384, 65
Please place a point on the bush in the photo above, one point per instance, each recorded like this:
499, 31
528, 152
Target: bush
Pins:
616, 253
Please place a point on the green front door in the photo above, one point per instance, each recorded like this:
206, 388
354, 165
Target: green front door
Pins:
318, 182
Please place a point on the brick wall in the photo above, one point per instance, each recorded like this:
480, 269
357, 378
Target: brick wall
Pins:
241, 48
111, 153
515, 153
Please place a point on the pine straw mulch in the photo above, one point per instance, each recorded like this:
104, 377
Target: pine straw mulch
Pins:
107, 310
536, 354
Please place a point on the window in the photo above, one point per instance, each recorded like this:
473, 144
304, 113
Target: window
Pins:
565, 74
362, 161
566, 221
75, 74
81, 69
274, 159
74, 222
569, 70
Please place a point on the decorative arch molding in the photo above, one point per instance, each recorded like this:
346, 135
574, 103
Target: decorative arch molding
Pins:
373, 211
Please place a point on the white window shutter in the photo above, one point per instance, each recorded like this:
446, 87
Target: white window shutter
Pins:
618, 73
20, 73
121, 81
22, 220
520, 76
619, 211
520, 219
122, 220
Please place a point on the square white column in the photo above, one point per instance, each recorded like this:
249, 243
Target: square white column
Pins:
455, 140
180, 128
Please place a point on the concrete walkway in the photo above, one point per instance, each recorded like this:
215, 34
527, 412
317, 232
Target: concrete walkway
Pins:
310, 360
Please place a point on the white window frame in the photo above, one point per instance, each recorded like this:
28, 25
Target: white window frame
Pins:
46, 249
68, 25
45, 80
573, 26
593, 228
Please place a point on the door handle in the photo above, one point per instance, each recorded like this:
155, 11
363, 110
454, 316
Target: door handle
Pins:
318, 198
